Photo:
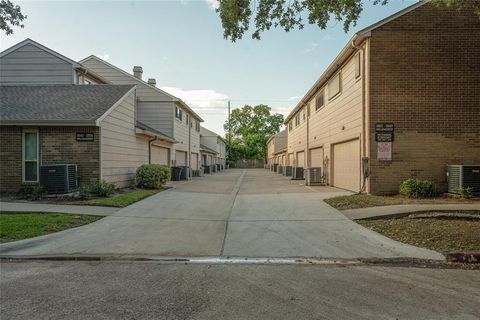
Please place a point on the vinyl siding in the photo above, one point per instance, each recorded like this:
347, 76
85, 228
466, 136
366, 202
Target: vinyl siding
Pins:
297, 137
32, 65
158, 115
122, 151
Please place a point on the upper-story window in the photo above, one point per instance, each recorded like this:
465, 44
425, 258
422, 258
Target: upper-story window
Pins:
187, 118
320, 100
357, 66
290, 126
297, 120
197, 126
334, 86
85, 81
178, 113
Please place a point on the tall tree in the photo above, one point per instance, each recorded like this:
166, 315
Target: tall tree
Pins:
250, 128
236, 15
10, 16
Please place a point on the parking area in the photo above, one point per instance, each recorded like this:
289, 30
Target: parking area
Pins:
234, 213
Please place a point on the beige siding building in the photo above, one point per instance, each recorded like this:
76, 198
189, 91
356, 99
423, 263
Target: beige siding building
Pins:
158, 110
277, 149
387, 107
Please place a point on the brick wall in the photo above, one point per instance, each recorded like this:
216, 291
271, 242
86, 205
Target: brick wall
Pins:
425, 78
57, 145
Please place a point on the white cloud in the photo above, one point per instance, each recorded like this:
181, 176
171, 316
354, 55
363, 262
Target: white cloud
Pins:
104, 56
204, 99
213, 4
294, 98
312, 47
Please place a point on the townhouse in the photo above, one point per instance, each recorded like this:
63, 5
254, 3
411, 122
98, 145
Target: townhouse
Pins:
160, 111
402, 99
213, 148
277, 149
57, 111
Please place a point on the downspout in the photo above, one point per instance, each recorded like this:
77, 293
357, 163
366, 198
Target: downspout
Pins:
363, 74
150, 149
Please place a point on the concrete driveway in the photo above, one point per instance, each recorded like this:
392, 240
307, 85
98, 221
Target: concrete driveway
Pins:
236, 213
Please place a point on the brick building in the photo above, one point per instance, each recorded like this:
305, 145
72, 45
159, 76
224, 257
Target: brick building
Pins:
402, 99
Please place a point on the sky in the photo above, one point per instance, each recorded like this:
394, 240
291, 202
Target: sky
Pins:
180, 44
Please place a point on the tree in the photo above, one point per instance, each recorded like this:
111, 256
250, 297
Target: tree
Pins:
250, 128
236, 15
10, 16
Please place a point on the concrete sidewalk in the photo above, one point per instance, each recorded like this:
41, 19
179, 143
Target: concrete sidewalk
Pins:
389, 211
57, 208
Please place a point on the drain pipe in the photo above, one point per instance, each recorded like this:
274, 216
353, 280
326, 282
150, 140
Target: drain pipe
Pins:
150, 149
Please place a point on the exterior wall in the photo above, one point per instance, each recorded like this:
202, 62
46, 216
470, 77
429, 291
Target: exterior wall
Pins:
425, 69
122, 151
155, 109
186, 135
32, 65
213, 141
57, 145
297, 137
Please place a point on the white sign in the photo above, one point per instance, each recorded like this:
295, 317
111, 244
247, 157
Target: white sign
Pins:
384, 151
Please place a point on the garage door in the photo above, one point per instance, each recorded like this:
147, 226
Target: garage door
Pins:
160, 155
316, 158
194, 161
181, 158
290, 159
283, 160
300, 160
346, 165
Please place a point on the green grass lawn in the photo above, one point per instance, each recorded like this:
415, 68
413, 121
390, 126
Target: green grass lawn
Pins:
357, 201
17, 226
443, 235
123, 200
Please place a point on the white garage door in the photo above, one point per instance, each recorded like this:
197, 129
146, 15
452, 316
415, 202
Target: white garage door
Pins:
160, 155
181, 158
316, 157
346, 165
300, 160
194, 161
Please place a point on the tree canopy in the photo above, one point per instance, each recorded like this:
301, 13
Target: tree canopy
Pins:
10, 16
250, 128
236, 15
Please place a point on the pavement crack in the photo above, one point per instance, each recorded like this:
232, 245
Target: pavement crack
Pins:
234, 192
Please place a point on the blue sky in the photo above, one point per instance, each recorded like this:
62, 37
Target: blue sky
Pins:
180, 43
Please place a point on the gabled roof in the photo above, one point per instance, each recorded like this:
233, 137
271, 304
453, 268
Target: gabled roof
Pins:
60, 104
42, 47
175, 99
349, 48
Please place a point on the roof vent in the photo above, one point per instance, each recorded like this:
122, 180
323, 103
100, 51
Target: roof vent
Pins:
137, 72
152, 82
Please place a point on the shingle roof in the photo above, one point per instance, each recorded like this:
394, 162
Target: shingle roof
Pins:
143, 126
58, 102
205, 148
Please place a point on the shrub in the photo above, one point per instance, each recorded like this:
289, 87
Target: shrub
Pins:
31, 192
85, 191
465, 193
152, 176
416, 188
103, 188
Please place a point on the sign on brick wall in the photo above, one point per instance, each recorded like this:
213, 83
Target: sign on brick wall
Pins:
384, 151
85, 136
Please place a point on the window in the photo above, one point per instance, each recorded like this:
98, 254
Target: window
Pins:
197, 126
303, 115
290, 126
85, 81
178, 113
186, 118
334, 86
297, 120
357, 66
320, 100
30, 156
308, 111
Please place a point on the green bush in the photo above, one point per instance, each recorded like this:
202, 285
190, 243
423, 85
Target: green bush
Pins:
103, 188
465, 193
85, 191
152, 176
417, 188
31, 192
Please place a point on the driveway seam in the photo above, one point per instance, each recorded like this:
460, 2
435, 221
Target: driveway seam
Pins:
235, 191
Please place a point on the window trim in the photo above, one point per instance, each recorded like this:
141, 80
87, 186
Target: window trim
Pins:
24, 131
339, 74
358, 61
179, 112
321, 93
